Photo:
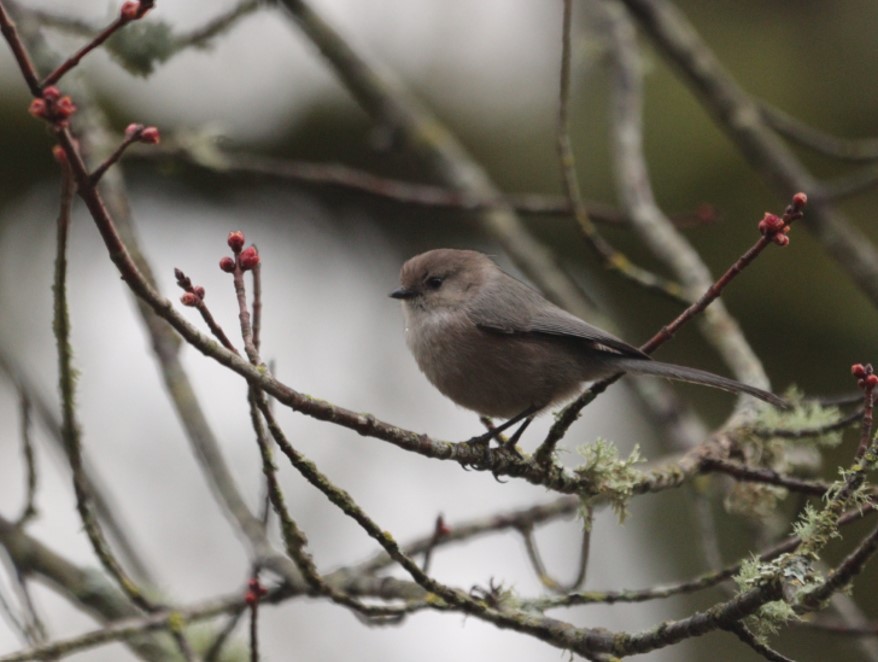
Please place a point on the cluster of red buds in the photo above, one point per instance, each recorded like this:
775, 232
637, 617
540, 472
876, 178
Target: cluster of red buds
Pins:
255, 592
247, 258
133, 9
193, 295
773, 226
53, 107
145, 134
776, 227
193, 298
866, 377
60, 155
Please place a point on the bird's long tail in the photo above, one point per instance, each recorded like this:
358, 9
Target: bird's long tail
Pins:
695, 376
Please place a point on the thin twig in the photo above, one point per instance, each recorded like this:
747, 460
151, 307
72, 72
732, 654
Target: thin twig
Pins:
256, 273
763, 475
210, 158
843, 574
27, 449
858, 149
536, 560
70, 427
185, 283
740, 117
25, 65
747, 637
612, 258
121, 21
805, 433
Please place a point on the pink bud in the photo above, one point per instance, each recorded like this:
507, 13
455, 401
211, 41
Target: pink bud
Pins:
130, 10
37, 108
248, 258
236, 240
150, 136
133, 129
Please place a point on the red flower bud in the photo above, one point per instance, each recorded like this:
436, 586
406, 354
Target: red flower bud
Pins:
150, 136
781, 239
858, 370
189, 299
770, 224
133, 129
130, 10
51, 93
248, 258
227, 264
37, 108
64, 108
236, 240
800, 200
198, 290
59, 154
255, 591
871, 381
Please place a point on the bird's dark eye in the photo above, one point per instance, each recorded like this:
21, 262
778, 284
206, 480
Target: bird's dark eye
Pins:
434, 282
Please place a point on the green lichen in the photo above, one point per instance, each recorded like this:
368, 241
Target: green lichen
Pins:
611, 477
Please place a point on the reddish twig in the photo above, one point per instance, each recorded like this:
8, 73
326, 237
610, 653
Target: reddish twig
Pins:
10, 33
240, 164
256, 271
255, 592
246, 259
774, 229
194, 298
866, 380
133, 134
130, 11
440, 531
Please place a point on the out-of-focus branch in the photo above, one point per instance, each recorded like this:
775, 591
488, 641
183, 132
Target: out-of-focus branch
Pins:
611, 257
633, 185
389, 104
857, 149
198, 151
87, 588
118, 530
740, 117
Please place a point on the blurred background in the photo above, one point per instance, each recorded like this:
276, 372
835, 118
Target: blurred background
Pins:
489, 71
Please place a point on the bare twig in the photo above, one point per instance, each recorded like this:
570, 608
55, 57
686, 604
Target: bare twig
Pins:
27, 448
122, 20
612, 258
740, 117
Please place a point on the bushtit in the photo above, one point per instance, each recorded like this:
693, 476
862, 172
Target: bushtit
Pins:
496, 346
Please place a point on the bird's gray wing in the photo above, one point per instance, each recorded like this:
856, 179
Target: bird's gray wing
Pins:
521, 310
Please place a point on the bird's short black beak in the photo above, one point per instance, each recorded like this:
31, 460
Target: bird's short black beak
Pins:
402, 293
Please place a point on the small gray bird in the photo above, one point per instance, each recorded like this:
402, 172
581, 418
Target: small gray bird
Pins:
496, 346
